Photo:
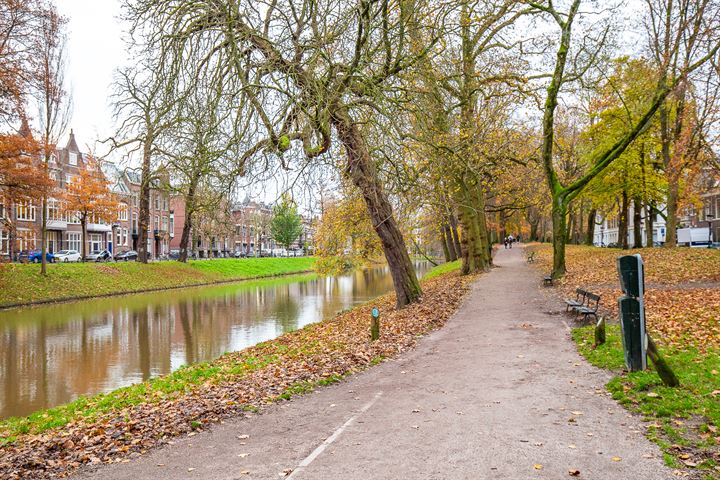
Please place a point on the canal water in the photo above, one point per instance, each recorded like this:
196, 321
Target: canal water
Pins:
50, 355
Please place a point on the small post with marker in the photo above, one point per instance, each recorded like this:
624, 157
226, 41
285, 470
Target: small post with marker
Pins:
375, 324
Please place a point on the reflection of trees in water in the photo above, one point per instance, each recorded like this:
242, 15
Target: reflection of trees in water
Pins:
50, 355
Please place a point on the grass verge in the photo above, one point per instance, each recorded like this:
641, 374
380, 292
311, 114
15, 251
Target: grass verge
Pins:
442, 269
23, 284
683, 421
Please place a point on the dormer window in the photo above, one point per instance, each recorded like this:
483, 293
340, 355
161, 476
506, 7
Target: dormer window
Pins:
73, 159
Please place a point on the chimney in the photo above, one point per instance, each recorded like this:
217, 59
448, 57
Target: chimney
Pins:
72, 145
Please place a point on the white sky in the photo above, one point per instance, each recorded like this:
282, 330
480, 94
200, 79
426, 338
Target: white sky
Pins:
95, 49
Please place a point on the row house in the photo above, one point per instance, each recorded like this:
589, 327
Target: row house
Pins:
212, 234
125, 184
64, 231
252, 228
706, 215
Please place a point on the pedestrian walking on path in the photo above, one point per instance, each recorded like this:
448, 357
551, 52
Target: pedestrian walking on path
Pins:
499, 393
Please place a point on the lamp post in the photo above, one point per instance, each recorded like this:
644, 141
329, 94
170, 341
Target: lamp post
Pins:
709, 217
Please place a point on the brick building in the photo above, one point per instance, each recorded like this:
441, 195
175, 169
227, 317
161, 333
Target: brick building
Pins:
63, 228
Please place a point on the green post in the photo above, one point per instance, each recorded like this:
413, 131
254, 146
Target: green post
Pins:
375, 324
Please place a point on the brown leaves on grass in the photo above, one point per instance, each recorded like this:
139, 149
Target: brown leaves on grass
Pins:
324, 350
681, 301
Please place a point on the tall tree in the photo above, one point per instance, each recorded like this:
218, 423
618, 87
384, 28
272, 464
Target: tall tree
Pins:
49, 91
286, 224
564, 193
89, 197
307, 67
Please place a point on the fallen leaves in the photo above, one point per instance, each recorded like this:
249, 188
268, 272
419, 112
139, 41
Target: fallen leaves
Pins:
322, 352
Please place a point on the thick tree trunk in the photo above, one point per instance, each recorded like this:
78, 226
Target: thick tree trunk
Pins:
623, 222
362, 172
559, 220
590, 236
144, 215
637, 222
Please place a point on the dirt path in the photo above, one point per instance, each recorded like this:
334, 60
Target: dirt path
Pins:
499, 393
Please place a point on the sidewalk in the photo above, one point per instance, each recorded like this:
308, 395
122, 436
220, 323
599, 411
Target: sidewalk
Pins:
499, 393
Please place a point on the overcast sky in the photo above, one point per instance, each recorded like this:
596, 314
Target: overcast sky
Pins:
95, 49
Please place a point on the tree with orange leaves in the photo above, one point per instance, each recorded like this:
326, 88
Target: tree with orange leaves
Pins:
21, 179
89, 196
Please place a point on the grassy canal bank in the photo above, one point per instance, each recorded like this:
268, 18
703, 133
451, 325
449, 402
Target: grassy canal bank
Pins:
22, 284
109, 427
683, 316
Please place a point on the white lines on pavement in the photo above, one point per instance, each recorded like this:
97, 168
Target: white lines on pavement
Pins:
567, 327
328, 441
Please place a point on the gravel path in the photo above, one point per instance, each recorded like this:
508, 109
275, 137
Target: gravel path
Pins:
499, 393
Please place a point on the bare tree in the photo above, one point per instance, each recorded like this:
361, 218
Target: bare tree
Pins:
307, 68
49, 90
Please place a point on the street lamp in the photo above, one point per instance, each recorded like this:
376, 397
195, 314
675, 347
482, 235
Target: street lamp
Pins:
709, 217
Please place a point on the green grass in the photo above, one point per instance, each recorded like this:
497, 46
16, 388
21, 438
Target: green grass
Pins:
681, 416
23, 284
443, 268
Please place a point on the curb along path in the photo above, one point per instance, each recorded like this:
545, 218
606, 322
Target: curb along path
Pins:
498, 393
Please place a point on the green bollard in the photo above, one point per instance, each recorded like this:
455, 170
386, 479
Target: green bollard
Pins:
375, 324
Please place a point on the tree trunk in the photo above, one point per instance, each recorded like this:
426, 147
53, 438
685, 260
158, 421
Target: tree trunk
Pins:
444, 240
187, 226
590, 238
362, 172
649, 227
454, 236
559, 220
637, 222
144, 215
83, 234
623, 221
671, 225
43, 235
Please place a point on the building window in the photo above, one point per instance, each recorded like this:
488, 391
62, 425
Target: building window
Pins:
25, 239
74, 241
123, 213
157, 223
95, 242
24, 211
125, 236
165, 223
157, 201
53, 210
73, 159
172, 223
118, 240
135, 222
4, 242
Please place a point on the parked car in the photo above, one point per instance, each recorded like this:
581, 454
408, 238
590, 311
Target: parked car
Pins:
126, 256
36, 257
68, 256
239, 254
99, 256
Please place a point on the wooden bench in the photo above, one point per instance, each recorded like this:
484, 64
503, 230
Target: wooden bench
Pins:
578, 301
590, 307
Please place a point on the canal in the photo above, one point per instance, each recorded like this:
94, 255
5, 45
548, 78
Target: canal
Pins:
50, 355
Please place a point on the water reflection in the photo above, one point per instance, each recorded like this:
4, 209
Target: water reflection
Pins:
53, 354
